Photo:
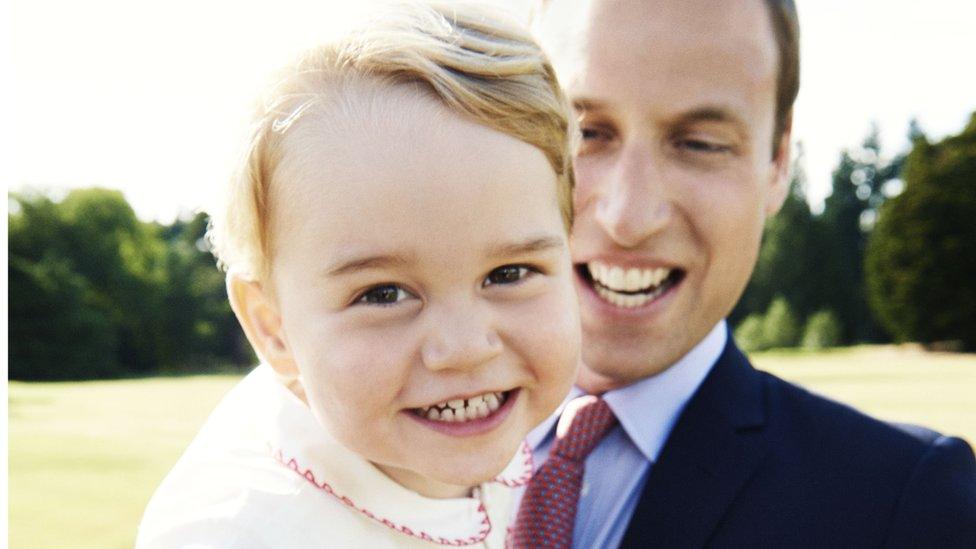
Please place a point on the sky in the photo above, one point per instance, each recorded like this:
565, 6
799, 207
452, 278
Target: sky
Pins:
151, 97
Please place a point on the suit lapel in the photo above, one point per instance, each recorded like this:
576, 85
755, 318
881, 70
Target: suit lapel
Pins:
714, 449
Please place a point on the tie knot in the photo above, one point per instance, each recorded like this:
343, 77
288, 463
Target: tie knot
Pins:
581, 426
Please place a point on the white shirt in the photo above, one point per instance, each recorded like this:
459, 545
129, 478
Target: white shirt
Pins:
263, 473
616, 470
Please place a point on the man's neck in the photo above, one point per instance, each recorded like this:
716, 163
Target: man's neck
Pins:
595, 383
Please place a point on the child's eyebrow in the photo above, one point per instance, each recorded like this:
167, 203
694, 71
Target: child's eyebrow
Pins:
536, 244
532, 245
585, 104
367, 262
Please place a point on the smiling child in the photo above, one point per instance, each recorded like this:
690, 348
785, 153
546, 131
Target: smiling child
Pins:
396, 246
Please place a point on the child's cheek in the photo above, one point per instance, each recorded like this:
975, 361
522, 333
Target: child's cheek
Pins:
552, 346
367, 367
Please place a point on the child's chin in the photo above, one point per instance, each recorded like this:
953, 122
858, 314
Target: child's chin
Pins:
472, 472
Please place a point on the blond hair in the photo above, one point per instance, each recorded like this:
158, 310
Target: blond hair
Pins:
475, 63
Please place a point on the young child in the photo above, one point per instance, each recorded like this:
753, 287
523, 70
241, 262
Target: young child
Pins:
396, 245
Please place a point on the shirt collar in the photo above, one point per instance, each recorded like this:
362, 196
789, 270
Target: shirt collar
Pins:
648, 408
300, 443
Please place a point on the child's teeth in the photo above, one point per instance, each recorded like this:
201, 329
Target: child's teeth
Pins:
458, 410
492, 402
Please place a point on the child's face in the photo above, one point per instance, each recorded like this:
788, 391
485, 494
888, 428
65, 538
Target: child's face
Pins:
420, 258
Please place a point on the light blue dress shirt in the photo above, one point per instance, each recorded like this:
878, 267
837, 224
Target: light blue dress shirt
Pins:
617, 469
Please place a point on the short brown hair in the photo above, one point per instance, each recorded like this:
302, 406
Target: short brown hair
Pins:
786, 28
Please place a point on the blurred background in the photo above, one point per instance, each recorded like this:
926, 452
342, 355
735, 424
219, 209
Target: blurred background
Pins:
122, 120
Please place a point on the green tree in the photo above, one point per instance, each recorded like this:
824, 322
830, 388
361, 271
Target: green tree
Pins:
123, 260
55, 329
199, 323
86, 276
94, 292
749, 334
780, 325
859, 187
921, 261
822, 331
788, 258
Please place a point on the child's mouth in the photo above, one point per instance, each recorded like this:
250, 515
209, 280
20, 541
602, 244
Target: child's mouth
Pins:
466, 409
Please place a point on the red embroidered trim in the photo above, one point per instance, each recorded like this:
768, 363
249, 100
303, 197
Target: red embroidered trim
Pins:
526, 475
458, 542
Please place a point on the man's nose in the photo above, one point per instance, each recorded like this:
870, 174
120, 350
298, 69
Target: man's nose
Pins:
634, 203
460, 337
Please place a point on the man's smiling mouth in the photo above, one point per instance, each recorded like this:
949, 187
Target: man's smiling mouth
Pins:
464, 409
629, 288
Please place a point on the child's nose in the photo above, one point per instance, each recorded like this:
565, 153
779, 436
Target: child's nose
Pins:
460, 339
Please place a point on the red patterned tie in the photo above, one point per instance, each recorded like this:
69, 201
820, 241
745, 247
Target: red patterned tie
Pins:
548, 510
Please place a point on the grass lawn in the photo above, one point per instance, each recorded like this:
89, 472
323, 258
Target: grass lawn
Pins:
85, 457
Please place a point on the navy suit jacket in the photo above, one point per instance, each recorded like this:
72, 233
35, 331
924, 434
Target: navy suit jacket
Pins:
754, 461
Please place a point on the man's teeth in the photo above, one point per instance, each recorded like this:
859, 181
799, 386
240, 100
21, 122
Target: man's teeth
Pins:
628, 301
459, 410
640, 285
627, 280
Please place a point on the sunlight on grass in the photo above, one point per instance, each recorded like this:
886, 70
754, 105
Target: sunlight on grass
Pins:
85, 457
900, 384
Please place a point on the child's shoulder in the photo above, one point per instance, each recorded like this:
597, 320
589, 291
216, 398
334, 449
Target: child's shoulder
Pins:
228, 489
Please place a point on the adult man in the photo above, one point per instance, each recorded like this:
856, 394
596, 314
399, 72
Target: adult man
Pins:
685, 110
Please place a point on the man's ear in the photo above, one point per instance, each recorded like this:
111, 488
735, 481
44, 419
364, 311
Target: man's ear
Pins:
258, 314
779, 184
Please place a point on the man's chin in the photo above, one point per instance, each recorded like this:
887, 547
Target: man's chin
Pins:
608, 371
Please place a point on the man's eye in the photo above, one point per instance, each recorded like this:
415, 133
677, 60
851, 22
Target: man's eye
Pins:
697, 145
388, 294
509, 274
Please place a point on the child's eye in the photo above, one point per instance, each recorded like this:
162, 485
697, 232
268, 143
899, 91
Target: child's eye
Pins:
509, 274
594, 135
387, 294
589, 134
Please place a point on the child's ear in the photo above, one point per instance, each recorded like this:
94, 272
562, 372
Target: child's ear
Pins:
258, 314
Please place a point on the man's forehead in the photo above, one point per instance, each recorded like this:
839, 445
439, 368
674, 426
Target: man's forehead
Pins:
633, 32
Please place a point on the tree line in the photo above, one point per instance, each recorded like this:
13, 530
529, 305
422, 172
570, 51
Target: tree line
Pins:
94, 292
892, 256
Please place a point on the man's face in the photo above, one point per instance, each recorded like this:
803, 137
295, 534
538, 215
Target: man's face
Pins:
675, 175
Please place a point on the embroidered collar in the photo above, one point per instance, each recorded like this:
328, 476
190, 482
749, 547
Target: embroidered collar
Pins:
298, 441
